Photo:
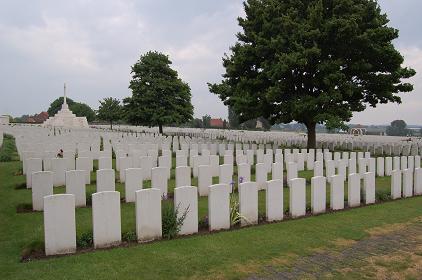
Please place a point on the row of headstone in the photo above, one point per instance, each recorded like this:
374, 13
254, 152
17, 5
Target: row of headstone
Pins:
59, 210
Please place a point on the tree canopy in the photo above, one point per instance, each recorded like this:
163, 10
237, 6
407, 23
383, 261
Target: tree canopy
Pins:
83, 110
110, 110
79, 109
233, 118
206, 121
312, 61
56, 105
159, 96
397, 128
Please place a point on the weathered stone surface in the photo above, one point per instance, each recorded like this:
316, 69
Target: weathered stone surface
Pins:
248, 203
148, 214
106, 219
186, 200
274, 200
59, 224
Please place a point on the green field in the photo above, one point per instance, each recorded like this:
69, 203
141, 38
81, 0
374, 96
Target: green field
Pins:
230, 254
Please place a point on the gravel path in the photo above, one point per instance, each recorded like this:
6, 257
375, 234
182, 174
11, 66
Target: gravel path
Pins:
319, 265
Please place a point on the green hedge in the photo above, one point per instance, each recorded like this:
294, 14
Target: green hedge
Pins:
7, 149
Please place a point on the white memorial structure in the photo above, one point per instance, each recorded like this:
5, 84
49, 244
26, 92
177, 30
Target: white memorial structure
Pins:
65, 117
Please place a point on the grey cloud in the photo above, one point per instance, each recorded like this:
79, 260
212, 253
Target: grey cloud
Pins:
92, 44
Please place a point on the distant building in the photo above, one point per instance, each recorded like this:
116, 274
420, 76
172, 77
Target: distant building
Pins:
41, 117
30, 120
217, 123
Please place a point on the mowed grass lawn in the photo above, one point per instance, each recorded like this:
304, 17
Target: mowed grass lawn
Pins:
230, 254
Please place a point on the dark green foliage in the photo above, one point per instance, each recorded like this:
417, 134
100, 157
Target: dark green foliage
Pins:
382, 195
206, 121
56, 105
171, 224
159, 96
110, 110
79, 109
233, 118
203, 223
312, 61
85, 240
83, 110
129, 236
196, 123
7, 149
397, 128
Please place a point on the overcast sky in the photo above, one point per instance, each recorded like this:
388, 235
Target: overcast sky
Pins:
92, 44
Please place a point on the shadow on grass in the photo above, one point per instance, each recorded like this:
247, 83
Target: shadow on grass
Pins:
24, 208
20, 186
34, 250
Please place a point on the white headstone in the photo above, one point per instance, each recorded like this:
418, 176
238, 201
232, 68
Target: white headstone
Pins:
42, 185
248, 203
183, 176
75, 184
59, 167
244, 173
353, 190
204, 179
369, 187
106, 219
105, 163
106, 180
318, 169
418, 181
388, 166
186, 198
297, 201
148, 214
318, 194
396, 184
82, 163
337, 192
133, 183
407, 183
159, 180
291, 172
32, 165
219, 207
274, 200
59, 224
261, 176
277, 171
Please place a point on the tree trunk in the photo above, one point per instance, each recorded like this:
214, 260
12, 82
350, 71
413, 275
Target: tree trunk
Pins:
311, 135
160, 128
111, 125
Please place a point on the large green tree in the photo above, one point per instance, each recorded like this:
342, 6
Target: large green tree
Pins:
79, 109
397, 128
159, 96
206, 121
83, 110
56, 105
312, 61
110, 110
233, 118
